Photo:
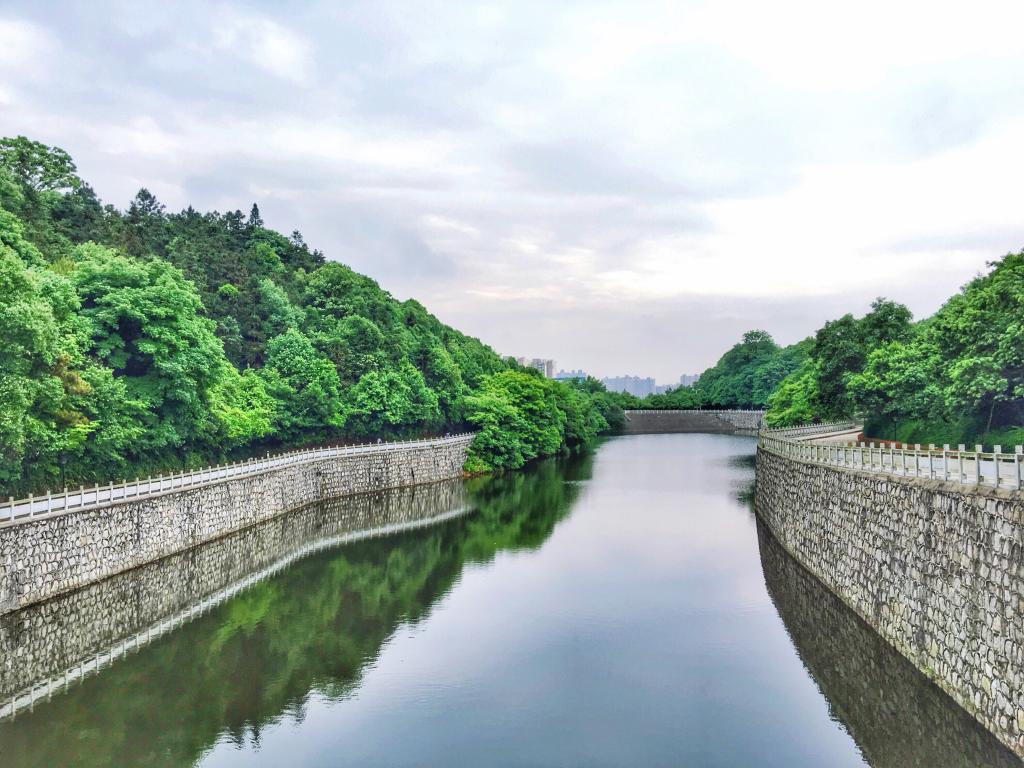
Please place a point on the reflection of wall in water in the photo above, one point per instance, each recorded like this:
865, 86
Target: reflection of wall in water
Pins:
48, 638
311, 629
898, 718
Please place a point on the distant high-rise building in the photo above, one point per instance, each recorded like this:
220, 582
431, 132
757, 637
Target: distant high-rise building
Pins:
545, 366
571, 375
689, 379
633, 385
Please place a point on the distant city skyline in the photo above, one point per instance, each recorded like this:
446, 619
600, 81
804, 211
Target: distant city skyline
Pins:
632, 383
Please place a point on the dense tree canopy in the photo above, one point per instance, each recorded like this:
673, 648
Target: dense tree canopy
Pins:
955, 377
744, 377
142, 340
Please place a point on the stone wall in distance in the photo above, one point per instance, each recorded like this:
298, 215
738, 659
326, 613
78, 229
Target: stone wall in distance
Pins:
715, 422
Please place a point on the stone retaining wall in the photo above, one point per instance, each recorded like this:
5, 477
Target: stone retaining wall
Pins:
55, 554
935, 568
716, 422
47, 639
898, 717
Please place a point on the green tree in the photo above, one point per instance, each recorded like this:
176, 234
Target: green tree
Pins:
146, 324
243, 409
355, 345
792, 402
39, 362
143, 339
42, 174
390, 401
145, 230
841, 349
980, 334
519, 419
37, 167
305, 387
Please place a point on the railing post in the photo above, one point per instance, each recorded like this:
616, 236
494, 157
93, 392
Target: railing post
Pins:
998, 449
10, 503
977, 464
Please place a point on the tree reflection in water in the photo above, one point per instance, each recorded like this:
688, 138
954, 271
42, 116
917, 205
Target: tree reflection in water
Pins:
310, 629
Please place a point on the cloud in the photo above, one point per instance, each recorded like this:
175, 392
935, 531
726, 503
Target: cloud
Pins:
22, 44
577, 167
267, 44
623, 186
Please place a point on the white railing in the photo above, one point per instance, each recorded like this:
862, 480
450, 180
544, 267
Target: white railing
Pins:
993, 469
17, 511
692, 410
828, 427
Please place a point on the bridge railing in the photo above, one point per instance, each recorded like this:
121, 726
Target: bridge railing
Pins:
994, 469
16, 511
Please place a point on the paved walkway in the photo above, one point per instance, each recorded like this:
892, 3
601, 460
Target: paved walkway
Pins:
837, 438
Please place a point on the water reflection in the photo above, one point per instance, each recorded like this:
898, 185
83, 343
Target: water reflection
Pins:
310, 629
898, 717
78, 633
636, 630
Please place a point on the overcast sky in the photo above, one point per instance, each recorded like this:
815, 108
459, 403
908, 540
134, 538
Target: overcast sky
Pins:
624, 187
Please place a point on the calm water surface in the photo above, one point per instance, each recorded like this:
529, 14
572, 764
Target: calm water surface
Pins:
620, 609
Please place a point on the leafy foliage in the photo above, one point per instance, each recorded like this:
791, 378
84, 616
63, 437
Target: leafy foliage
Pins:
144, 340
744, 377
957, 376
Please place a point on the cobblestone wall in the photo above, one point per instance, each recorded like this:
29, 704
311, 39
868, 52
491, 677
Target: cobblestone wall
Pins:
49, 638
935, 568
898, 717
53, 555
716, 422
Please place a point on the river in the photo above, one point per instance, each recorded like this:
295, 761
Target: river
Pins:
621, 608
